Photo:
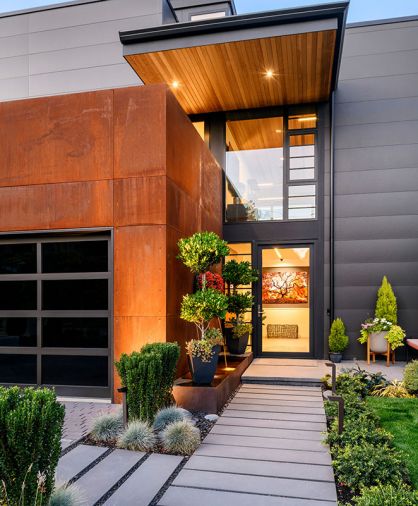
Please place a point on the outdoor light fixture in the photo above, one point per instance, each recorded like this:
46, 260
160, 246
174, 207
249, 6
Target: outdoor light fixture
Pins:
175, 84
269, 73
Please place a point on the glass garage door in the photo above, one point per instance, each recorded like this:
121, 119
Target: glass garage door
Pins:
55, 302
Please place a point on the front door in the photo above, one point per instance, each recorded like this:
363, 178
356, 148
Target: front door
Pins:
284, 300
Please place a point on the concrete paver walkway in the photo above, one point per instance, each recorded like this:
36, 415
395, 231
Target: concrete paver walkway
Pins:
266, 449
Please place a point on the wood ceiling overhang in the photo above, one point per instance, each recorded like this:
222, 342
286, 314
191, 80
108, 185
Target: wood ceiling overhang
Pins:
222, 65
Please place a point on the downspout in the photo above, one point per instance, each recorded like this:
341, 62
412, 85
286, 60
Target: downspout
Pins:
332, 213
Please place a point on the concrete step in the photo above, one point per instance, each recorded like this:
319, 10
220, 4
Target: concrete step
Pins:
237, 411
266, 423
73, 462
264, 432
266, 442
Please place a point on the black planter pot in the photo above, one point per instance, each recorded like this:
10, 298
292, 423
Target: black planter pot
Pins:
204, 372
236, 345
335, 357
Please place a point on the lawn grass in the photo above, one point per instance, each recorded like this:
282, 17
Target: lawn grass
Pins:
400, 417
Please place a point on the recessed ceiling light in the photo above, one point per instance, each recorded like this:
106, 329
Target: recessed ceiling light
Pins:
278, 131
175, 84
269, 73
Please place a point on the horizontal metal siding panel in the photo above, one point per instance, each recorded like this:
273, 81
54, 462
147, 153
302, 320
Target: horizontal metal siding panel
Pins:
13, 67
370, 274
354, 317
377, 204
110, 76
377, 88
87, 35
367, 29
14, 25
377, 111
386, 64
376, 157
376, 251
15, 45
395, 37
349, 297
12, 89
378, 134
76, 58
374, 227
376, 181
91, 13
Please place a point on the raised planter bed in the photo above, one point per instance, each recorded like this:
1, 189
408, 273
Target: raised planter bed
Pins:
212, 398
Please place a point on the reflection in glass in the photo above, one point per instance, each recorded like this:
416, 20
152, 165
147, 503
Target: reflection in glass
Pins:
17, 295
18, 369
75, 332
74, 370
254, 170
18, 332
17, 258
75, 256
299, 121
83, 294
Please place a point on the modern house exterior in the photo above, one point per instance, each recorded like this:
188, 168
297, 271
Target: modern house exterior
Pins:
127, 125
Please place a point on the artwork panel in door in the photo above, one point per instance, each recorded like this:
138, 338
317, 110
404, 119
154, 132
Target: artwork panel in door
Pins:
285, 287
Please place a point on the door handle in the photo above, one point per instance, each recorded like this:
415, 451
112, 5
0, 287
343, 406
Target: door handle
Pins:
260, 311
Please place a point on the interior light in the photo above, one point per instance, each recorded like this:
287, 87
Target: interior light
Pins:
277, 251
307, 118
175, 84
278, 131
269, 73
301, 252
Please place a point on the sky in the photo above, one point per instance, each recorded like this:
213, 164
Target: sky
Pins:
360, 10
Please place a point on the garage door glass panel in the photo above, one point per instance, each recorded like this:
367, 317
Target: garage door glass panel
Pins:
17, 295
80, 294
75, 332
20, 369
74, 370
18, 332
17, 258
82, 256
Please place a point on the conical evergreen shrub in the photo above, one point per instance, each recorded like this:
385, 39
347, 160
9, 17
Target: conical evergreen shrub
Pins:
386, 306
338, 340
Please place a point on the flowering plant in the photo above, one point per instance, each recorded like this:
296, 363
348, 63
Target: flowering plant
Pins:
211, 280
204, 348
395, 334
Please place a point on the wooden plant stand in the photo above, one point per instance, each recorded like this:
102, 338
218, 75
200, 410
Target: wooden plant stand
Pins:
389, 354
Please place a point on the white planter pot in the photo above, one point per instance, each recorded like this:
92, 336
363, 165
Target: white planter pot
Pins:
378, 343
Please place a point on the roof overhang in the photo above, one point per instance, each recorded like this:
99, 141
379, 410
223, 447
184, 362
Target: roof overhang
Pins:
266, 59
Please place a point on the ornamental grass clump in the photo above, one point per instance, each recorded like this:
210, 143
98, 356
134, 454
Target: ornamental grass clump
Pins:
138, 436
31, 422
67, 495
394, 389
170, 415
180, 438
107, 427
410, 377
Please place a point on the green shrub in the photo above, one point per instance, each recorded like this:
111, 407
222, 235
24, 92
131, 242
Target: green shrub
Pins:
201, 251
366, 464
238, 273
31, 423
138, 436
338, 339
148, 376
170, 353
170, 415
410, 377
394, 389
67, 495
107, 427
386, 306
348, 384
180, 438
387, 495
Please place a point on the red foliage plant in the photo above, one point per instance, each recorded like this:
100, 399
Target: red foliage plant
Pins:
213, 280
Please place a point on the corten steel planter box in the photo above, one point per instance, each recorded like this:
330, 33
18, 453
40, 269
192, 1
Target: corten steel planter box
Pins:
212, 398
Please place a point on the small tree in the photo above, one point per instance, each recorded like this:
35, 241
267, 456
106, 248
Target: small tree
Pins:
202, 250
386, 306
338, 340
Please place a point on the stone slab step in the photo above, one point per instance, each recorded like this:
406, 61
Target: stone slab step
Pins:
266, 442
245, 389
180, 496
287, 362
282, 388
278, 400
73, 462
261, 468
271, 424
102, 477
263, 432
254, 414
278, 397
277, 409
281, 487
272, 454
144, 484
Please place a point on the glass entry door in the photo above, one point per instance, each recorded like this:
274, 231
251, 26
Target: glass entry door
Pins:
284, 300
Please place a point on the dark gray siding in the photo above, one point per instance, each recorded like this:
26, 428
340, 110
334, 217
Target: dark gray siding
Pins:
376, 173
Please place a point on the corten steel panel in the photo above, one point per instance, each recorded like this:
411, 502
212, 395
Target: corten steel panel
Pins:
55, 206
140, 200
56, 139
211, 188
140, 131
140, 271
182, 212
180, 332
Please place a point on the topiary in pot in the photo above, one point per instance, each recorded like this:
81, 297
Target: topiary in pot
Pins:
180, 438
337, 340
107, 427
170, 415
138, 436
410, 377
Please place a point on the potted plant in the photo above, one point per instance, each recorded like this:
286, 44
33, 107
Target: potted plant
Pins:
237, 331
337, 341
383, 329
200, 252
